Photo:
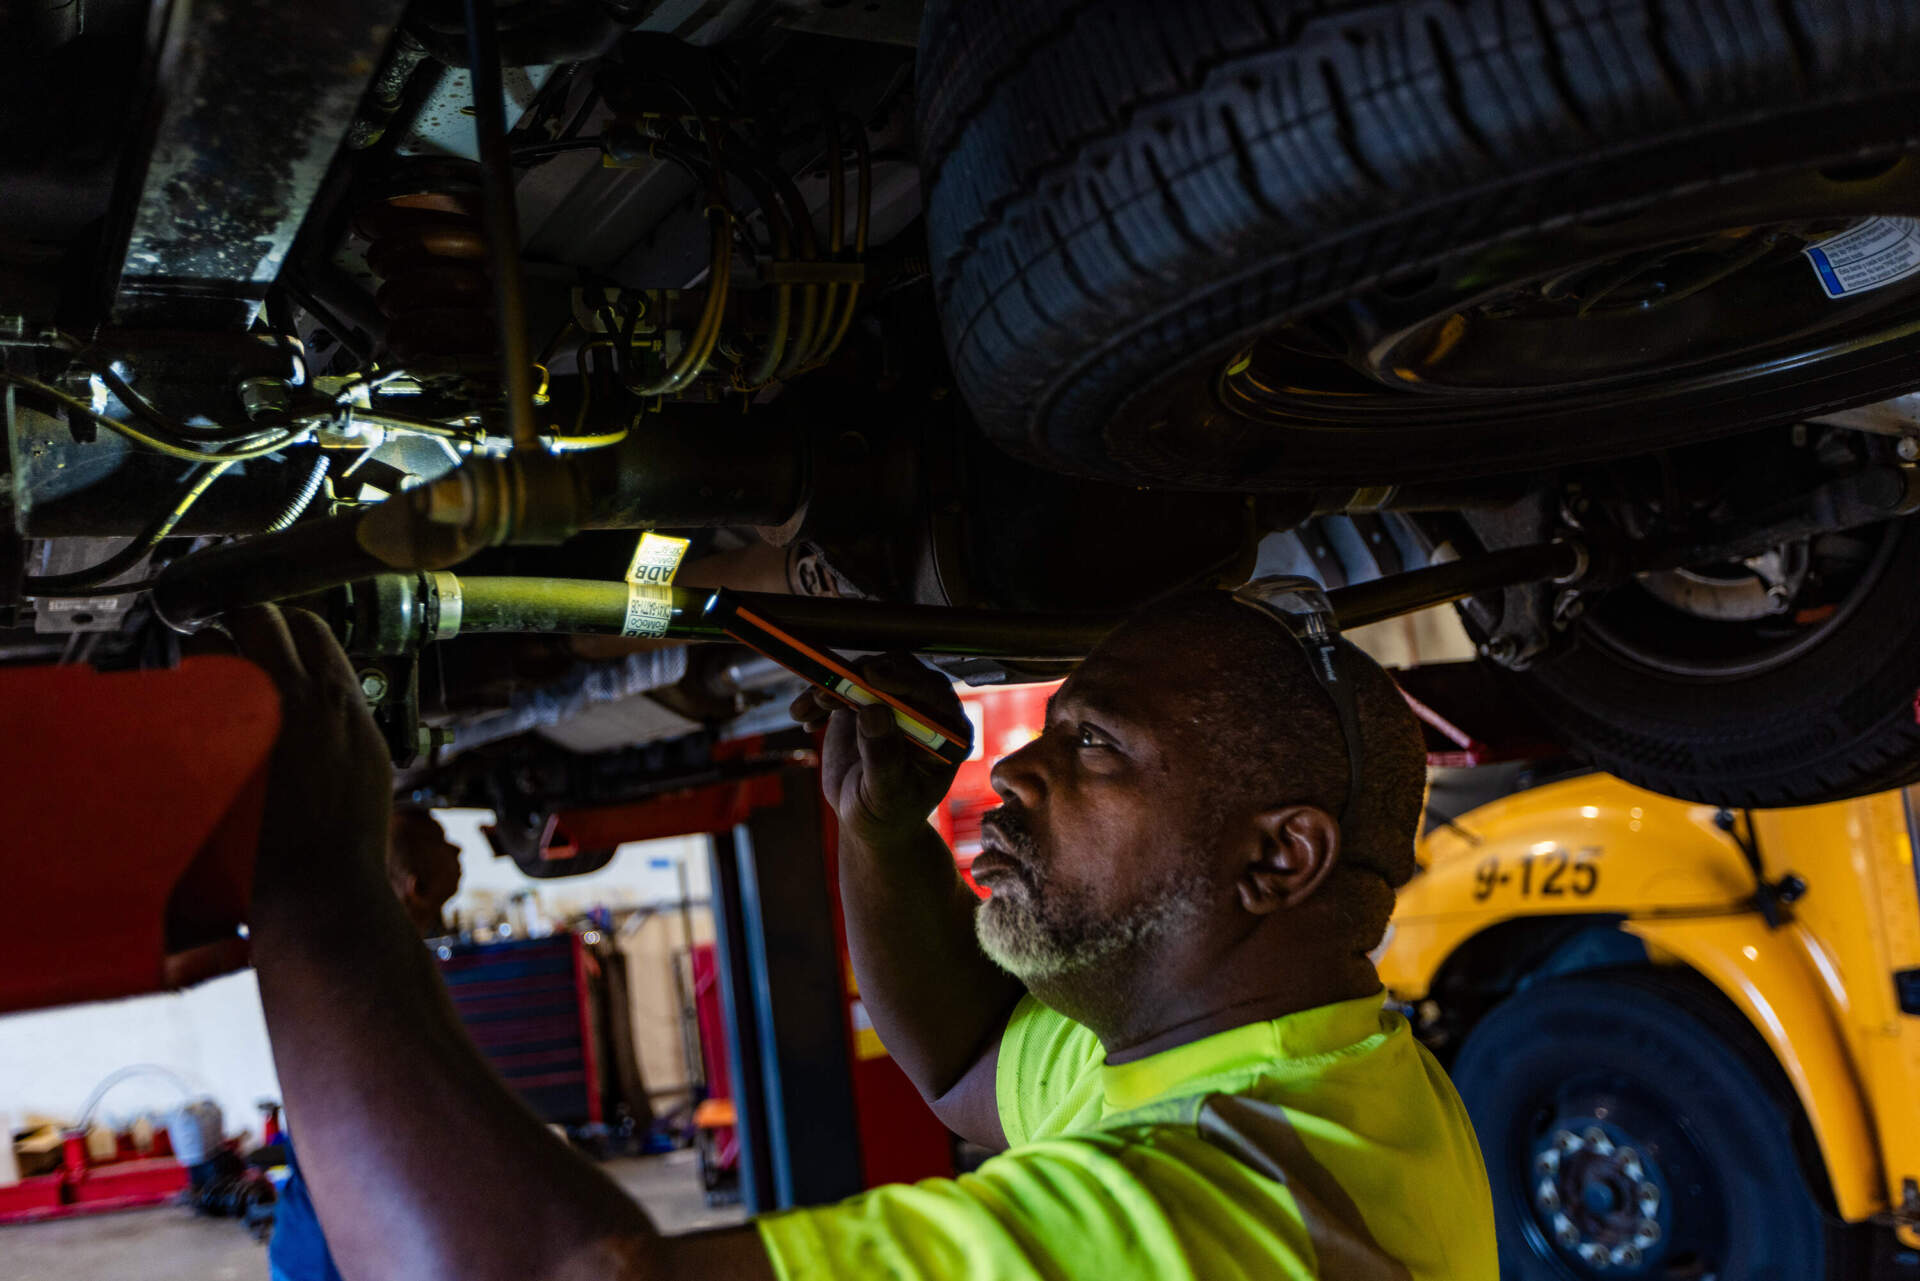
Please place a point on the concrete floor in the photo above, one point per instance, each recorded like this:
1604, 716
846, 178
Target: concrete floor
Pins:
170, 1243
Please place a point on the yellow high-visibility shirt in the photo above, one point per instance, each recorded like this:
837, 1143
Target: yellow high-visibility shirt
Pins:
1325, 1144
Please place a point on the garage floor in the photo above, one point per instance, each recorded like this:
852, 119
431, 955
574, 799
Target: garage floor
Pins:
172, 1244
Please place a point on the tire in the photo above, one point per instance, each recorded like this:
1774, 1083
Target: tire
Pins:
1122, 194
1834, 721
1674, 1083
525, 842
559, 869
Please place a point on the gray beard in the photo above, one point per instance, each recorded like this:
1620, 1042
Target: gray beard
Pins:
1041, 939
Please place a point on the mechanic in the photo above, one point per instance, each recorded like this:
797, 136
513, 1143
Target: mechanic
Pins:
1165, 1012
423, 868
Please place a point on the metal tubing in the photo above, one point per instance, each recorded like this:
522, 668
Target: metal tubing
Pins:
696, 472
526, 498
1397, 594
1848, 502
309, 490
502, 222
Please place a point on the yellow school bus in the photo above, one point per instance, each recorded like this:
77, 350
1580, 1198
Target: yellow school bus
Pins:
1689, 1038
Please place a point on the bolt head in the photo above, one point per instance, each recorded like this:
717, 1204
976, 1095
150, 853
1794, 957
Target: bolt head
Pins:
263, 396
374, 685
1908, 448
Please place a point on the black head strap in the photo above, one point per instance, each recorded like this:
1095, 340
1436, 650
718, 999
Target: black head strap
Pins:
1301, 607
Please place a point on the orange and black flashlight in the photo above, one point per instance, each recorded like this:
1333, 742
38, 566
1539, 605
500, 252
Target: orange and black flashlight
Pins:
832, 673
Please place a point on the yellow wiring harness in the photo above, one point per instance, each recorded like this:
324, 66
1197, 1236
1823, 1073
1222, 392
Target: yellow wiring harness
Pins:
230, 454
862, 215
200, 486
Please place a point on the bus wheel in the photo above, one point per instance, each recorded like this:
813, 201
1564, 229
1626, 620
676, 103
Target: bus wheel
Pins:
1633, 1126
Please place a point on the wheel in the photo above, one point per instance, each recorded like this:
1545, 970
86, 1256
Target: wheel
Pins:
1700, 685
546, 868
1263, 244
1633, 1127
540, 848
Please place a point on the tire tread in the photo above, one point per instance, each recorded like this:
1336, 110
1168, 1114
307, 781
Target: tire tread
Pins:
1154, 145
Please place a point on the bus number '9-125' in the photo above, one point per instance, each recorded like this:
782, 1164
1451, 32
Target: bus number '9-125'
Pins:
1550, 873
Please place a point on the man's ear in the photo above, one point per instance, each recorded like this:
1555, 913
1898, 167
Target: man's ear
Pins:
1296, 847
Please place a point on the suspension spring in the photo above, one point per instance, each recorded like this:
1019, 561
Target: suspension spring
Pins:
428, 247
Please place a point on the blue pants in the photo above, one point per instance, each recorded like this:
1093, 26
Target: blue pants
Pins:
298, 1251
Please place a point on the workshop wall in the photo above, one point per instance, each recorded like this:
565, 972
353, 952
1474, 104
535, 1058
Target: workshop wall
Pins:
212, 1037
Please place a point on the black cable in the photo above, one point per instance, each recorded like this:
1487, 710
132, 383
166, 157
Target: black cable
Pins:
502, 223
147, 412
235, 452
98, 579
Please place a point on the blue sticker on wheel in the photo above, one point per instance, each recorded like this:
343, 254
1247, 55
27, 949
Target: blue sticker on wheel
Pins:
1876, 252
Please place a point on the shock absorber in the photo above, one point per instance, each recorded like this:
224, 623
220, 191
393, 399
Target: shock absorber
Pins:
428, 248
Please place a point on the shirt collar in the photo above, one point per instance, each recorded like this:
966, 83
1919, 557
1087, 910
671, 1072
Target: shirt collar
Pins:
1304, 1034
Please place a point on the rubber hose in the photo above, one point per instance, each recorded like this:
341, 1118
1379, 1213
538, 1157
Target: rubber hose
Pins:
571, 605
310, 557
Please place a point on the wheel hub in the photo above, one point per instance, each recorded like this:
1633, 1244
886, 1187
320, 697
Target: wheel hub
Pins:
1753, 588
1599, 1197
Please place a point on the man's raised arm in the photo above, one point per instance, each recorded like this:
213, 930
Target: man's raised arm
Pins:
423, 1164
937, 1001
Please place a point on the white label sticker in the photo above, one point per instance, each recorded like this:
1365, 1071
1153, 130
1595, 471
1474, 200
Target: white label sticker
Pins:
1877, 252
656, 558
88, 604
649, 609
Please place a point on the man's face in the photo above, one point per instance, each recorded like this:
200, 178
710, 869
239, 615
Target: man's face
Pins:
433, 859
1106, 839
